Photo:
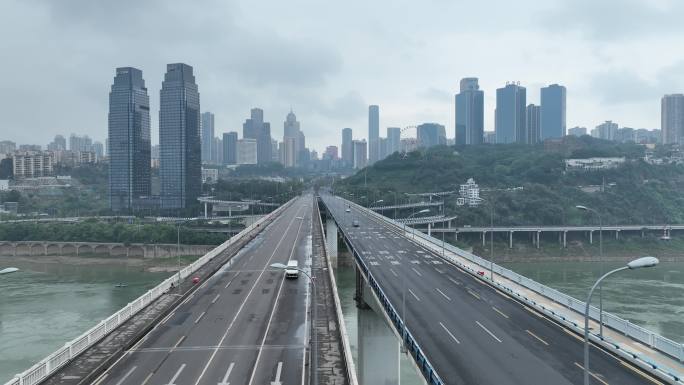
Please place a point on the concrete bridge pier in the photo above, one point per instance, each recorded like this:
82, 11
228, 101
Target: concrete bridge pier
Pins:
379, 350
591, 237
362, 289
484, 237
510, 239
331, 239
617, 234
538, 236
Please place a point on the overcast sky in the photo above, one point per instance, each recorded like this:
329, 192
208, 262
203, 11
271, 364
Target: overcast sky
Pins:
329, 59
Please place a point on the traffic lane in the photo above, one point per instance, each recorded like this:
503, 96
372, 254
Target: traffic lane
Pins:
173, 332
567, 368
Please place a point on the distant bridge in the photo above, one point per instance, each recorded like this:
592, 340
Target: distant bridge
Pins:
406, 206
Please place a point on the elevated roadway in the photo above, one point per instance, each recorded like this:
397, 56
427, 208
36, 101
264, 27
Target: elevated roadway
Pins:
470, 332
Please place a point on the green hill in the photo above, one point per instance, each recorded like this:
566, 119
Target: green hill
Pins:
635, 193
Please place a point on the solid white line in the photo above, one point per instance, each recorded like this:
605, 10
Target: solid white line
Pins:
454, 281
487, 330
500, 312
442, 293
215, 298
175, 376
417, 272
414, 295
448, 332
167, 317
126, 376
242, 305
225, 378
393, 272
279, 370
200, 317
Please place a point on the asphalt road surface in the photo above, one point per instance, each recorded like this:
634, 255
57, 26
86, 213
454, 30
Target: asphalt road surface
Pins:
471, 332
247, 324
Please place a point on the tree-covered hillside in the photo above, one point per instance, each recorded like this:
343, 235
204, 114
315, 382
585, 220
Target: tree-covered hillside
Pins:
636, 192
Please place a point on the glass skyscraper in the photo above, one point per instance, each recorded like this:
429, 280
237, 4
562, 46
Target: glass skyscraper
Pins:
129, 140
509, 122
179, 138
373, 134
208, 155
552, 112
469, 113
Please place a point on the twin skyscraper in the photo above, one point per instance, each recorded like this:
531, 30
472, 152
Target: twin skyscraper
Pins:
179, 140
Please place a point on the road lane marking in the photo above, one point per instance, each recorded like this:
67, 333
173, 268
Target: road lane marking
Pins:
474, 295
147, 378
414, 295
454, 281
203, 285
448, 332
167, 317
178, 343
188, 299
574, 335
121, 381
504, 294
442, 293
102, 377
500, 312
279, 371
487, 330
640, 372
533, 312
537, 337
215, 298
200, 317
393, 272
175, 376
592, 374
225, 378
417, 272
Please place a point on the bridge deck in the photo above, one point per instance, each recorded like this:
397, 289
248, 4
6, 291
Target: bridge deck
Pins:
470, 332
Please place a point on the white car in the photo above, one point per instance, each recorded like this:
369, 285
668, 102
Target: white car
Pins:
292, 269
348, 210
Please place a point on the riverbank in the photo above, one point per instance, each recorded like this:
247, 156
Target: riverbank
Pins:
578, 250
155, 265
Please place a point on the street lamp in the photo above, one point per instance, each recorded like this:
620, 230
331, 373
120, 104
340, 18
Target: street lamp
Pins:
635, 264
179, 223
423, 211
585, 208
314, 359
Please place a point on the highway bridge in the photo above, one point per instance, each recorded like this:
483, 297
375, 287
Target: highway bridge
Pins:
458, 329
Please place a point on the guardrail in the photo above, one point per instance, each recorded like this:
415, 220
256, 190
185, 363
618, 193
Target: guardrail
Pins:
411, 344
73, 348
348, 358
638, 333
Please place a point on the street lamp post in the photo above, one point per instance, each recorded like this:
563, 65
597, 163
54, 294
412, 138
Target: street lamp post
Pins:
423, 211
585, 208
635, 264
314, 359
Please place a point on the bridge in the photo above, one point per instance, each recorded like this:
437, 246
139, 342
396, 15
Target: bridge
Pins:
230, 318
407, 206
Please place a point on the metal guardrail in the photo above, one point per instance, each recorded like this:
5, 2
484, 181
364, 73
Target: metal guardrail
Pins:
411, 344
73, 348
348, 358
638, 333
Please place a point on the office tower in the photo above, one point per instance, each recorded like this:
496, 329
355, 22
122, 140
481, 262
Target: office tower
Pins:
80, 143
393, 140
672, 118
552, 112
431, 134
360, 151
128, 140
469, 113
330, 153
256, 128
98, 149
577, 131
7, 147
293, 140
290, 151
509, 122
207, 137
383, 146
179, 138
373, 133
275, 156
347, 149
230, 147
533, 124
58, 144
216, 151
607, 130
247, 151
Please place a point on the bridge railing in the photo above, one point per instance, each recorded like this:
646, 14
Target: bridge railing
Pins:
73, 348
410, 342
638, 333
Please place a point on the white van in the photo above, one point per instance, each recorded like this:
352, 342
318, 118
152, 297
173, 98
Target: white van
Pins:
292, 269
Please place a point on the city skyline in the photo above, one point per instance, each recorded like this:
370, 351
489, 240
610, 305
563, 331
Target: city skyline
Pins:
333, 90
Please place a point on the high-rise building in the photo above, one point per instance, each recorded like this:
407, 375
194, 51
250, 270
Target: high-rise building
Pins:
509, 123
533, 124
7, 147
256, 128
275, 156
58, 144
393, 140
98, 149
290, 151
293, 140
672, 118
330, 153
207, 137
577, 131
80, 143
230, 147
552, 112
216, 151
179, 138
373, 133
247, 151
383, 145
129, 140
347, 149
431, 134
32, 164
469, 113
607, 130
360, 151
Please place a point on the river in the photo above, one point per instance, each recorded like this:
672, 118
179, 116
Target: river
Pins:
44, 305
